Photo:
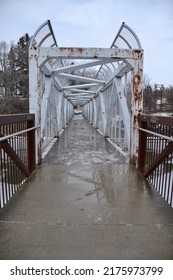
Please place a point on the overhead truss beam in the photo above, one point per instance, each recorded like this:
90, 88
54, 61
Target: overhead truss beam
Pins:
80, 78
80, 90
77, 66
88, 53
80, 94
80, 86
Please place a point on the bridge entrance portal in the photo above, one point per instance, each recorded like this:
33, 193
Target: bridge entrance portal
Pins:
110, 97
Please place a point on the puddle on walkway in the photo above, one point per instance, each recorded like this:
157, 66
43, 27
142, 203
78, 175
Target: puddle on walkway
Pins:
97, 194
109, 184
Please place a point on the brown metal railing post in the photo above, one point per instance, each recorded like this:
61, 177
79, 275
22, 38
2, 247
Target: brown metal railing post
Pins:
142, 146
31, 146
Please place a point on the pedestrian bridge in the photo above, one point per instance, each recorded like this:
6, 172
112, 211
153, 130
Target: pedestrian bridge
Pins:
97, 180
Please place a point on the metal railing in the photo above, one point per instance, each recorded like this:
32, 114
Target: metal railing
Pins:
17, 153
156, 153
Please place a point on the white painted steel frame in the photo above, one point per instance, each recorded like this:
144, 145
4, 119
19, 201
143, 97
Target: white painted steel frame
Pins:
102, 98
51, 108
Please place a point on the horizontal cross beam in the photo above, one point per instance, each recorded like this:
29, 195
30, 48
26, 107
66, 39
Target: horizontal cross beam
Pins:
80, 97
80, 86
80, 91
81, 102
80, 78
76, 67
89, 53
79, 94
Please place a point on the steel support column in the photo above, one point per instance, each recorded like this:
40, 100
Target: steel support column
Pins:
35, 81
137, 106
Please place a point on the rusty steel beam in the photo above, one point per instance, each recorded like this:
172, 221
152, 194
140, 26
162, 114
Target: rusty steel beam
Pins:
88, 53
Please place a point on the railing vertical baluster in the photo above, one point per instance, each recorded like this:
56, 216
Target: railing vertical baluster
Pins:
31, 147
156, 153
17, 153
142, 147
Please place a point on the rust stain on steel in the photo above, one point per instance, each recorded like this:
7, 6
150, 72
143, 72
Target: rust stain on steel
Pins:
139, 53
136, 118
72, 50
80, 50
137, 86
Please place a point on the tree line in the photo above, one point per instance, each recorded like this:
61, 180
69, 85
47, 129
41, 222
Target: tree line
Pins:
14, 72
14, 82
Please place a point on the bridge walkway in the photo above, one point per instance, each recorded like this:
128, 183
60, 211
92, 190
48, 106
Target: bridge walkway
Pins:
86, 202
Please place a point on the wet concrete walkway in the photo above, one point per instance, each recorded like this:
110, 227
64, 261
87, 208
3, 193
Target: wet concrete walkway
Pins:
86, 202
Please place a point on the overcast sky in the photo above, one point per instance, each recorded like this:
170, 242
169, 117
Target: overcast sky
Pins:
94, 23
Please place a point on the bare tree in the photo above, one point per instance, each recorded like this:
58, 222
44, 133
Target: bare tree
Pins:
14, 80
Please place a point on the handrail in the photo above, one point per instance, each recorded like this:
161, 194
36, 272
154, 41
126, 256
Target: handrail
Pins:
17, 133
156, 153
156, 134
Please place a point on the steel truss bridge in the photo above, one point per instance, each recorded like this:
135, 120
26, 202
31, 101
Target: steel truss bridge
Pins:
107, 85
111, 100
86, 200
